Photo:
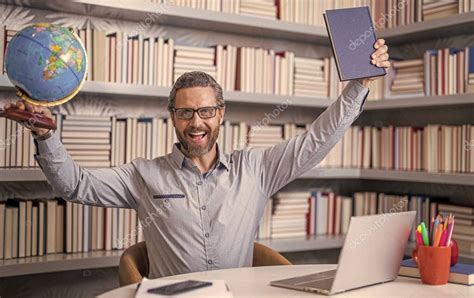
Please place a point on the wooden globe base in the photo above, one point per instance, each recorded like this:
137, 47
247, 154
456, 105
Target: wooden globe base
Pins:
30, 119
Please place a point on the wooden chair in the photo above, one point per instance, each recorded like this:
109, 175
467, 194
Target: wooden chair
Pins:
134, 263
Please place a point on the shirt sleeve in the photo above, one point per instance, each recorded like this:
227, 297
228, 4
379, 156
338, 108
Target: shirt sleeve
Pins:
110, 187
282, 163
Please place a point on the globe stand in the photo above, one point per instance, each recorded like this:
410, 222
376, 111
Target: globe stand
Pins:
29, 118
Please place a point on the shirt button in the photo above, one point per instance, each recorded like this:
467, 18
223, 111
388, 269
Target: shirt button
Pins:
209, 262
199, 183
203, 207
206, 235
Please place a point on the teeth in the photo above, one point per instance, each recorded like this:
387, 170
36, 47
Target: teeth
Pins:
196, 133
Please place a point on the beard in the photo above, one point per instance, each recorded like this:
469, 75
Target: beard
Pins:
197, 149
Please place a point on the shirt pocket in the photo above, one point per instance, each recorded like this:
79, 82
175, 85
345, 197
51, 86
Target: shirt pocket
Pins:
165, 196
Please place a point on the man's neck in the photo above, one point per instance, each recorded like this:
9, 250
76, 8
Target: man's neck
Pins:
205, 162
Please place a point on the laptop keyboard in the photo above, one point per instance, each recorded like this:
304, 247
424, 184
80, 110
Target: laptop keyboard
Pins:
321, 280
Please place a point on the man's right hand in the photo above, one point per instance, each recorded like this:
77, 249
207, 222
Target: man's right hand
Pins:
24, 105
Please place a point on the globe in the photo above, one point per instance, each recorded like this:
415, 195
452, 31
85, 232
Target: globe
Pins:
46, 63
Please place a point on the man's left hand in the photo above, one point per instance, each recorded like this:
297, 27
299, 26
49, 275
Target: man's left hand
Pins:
379, 58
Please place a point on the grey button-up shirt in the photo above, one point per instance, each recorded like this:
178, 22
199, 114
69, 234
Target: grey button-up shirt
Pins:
194, 222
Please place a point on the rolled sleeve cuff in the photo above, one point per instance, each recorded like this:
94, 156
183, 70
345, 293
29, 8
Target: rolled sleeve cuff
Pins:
357, 92
49, 145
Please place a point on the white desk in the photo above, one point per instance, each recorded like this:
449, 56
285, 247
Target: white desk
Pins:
254, 282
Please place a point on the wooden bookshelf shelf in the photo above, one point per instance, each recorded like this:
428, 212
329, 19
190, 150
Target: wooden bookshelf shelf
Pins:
173, 15
59, 262
101, 259
439, 28
303, 244
26, 175
390, 175
162, 93
421, 102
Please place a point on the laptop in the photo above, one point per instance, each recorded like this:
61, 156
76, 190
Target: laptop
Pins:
373, 250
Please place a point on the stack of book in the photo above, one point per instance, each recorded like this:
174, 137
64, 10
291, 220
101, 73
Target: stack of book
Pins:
226, 66
291, 130
289, 214
406, 78
261, 8
445, 71
385, 14
284, 73
464, 226
232, 136
470, 69
16, 145
6, 34
433, 148
311, 77
368, 203
434, 9
446, 148
214, 5
189, 58
256, 70
265, 136
329, 214
45, 226
88, 139
466, 6
128, 59
303, 12
230, 6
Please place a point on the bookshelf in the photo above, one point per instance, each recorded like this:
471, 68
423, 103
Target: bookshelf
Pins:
254, 26
25, 175
59, 262
247, 25
100, 259
162, 93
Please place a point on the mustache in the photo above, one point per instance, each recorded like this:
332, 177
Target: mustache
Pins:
196, 130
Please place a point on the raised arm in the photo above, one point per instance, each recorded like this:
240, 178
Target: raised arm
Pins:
110, 187
280, 164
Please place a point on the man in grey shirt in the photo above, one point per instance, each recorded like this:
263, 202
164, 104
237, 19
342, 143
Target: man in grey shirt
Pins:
200, 208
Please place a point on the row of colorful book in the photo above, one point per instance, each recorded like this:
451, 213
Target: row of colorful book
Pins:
432, 148
135, 59
440, 72
44, 226
103, 141
385, 14
323, 212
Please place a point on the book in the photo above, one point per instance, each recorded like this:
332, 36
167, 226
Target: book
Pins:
459, 273
352, 36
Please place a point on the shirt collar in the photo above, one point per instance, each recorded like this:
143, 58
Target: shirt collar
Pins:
179, 156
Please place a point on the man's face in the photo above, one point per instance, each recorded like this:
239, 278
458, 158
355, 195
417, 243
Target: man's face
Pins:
197, 135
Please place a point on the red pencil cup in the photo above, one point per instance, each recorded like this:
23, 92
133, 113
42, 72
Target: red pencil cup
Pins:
433, 263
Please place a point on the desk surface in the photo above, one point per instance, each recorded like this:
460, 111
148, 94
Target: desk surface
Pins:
254, 282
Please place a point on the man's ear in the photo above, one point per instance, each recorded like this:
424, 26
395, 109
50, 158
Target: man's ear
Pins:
222, 113
172, 118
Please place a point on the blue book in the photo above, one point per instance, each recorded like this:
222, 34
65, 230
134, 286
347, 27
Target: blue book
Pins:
459, 273
352, 37
470, 55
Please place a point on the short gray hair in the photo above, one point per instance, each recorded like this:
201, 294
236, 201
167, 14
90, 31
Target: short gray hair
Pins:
195, 79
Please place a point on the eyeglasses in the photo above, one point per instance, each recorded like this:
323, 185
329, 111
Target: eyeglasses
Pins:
204, 112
